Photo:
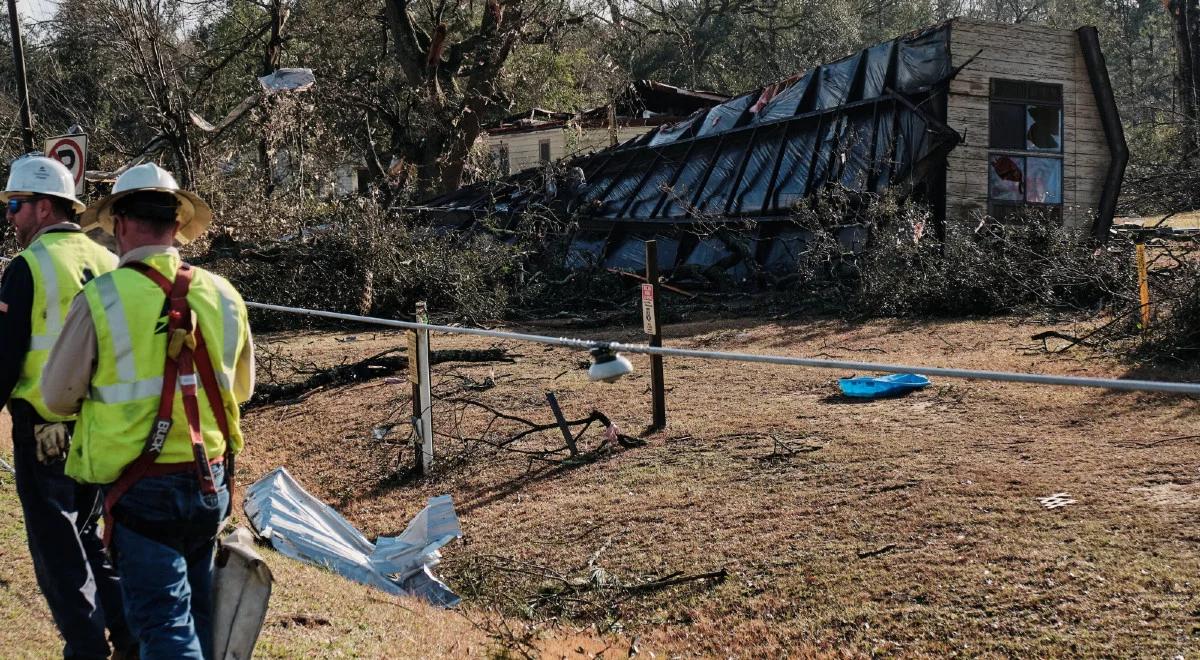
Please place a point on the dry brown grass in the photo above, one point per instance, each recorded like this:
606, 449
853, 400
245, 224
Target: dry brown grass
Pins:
1188, 220
948, 475
947, 478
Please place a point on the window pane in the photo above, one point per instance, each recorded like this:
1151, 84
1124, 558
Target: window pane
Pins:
1009, 89
1006, 177
1007, 126
1044, 92
1043, 180
1043, 128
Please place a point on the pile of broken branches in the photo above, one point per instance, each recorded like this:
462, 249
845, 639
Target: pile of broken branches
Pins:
379, 365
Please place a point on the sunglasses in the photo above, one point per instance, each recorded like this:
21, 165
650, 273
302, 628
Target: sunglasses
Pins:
15, 203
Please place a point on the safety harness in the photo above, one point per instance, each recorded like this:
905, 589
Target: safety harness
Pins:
188, 362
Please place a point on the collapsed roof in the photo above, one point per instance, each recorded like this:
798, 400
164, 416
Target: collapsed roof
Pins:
641, 99
866, 122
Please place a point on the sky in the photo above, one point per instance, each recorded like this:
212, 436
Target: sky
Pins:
36, 10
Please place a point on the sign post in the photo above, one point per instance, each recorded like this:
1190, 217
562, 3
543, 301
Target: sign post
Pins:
653, 328
422, 392
71, 151
1143, 283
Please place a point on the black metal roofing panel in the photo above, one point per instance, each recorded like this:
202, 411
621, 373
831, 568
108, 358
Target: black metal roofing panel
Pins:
854, 123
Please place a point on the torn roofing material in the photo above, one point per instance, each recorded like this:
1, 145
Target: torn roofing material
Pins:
643, 102
865, 122
302, 527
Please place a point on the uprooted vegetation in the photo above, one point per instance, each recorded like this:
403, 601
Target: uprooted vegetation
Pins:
884, 258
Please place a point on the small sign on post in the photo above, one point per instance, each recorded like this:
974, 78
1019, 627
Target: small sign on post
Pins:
422, 391
71, 151
648, 321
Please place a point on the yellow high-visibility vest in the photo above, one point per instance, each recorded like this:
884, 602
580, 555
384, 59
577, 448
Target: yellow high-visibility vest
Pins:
60, 263
129, 313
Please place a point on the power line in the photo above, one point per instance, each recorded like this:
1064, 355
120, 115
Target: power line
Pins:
588, 344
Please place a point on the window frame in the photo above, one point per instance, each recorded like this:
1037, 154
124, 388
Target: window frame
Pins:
545, 152
997, 97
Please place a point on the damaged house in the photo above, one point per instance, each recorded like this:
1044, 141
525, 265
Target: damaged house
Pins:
972, 118
537, 137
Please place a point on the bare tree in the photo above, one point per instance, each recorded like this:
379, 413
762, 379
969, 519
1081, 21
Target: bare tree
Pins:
449, 57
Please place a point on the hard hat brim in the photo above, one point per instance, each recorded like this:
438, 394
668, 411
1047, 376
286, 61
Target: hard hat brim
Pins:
193, 218
75, 203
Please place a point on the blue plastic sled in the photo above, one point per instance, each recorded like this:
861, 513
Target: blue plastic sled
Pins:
870, 387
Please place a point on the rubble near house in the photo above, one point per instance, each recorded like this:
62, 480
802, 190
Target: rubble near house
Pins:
970, 117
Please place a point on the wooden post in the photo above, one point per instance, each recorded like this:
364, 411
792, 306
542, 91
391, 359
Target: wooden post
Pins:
1143, 284
422, 394
14, 23
651, 325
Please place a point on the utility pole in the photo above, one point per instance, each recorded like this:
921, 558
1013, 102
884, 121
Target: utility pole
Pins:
19, 65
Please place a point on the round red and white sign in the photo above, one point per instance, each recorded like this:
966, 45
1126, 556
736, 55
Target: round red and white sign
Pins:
71, 151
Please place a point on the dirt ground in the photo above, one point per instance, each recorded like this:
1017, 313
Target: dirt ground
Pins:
906, 526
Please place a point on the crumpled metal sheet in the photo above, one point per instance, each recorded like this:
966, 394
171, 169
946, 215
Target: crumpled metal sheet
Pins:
302, 527
288, 80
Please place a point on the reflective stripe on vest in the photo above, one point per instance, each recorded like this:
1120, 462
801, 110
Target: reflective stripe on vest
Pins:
122, 339
59, 262
230, 328
140, 389
45, 340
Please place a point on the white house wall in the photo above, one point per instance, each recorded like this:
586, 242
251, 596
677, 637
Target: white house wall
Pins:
524, 147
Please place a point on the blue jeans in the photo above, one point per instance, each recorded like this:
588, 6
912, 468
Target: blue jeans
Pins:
75, 576
164, 540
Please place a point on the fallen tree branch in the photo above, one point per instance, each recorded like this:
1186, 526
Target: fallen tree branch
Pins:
376, 366
877, 551
546, 455
669, 581
577, 587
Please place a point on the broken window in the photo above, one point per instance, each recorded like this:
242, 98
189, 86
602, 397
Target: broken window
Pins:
1025, 140
1013, 178
544, 152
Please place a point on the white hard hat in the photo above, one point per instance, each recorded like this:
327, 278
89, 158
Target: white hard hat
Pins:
193, 215
39, 175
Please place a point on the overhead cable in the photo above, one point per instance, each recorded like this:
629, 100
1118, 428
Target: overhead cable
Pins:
588, 344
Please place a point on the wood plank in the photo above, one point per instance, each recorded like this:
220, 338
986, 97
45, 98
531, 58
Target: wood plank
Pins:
1018, 32
1018, 72
965, 41
1056, 58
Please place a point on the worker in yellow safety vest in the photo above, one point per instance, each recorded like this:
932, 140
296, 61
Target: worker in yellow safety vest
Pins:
75, 576
171, 358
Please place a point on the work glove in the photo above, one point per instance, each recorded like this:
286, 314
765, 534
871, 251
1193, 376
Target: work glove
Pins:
52, 441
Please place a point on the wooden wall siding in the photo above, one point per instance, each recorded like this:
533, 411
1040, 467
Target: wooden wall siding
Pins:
1022, 52
524, 152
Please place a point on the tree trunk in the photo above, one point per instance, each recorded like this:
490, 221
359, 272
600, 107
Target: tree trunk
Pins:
270, 64
1185, 18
